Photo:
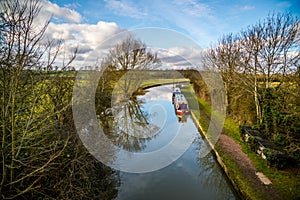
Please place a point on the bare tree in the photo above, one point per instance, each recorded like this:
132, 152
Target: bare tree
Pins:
263, 60
271, 53
29, 144
226, 59
131, 55
257, 57
251, 42
123, 71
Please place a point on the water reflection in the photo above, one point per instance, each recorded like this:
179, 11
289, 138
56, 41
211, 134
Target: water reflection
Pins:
131, 126
134, 122
190, 176
211, 177
182, 118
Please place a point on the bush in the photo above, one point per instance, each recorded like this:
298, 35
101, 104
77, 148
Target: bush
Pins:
253, 143
277, 159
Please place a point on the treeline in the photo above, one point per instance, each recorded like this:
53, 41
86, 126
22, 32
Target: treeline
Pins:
260, 69
41, 153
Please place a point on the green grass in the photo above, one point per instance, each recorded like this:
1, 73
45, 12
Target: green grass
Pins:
197, 106
287, 183
237, 177
151, 82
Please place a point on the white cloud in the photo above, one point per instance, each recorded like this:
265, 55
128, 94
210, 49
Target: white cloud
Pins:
66, 26
125, 8
87, 34
196, 19
245, 8
87, 37
181, 57
73, 6
193, 7
284, 4
53, 9
56, 14
93, 39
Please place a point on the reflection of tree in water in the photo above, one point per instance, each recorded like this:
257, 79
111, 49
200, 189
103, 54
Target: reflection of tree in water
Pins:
128, 125
123, 73
212, 177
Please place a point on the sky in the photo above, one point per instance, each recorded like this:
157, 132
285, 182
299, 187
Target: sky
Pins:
89, 23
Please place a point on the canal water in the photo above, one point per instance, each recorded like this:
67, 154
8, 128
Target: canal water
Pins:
189, 177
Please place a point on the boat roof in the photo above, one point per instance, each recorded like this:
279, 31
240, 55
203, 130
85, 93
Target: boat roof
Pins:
177, 89
181, 98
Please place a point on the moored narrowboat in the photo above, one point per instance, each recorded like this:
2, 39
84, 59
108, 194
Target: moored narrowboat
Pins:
181, 104
176, 91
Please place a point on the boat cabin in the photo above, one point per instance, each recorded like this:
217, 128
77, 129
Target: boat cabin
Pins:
181, 104
176, 91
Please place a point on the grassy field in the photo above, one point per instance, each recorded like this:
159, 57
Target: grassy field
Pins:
151, 82
286, 182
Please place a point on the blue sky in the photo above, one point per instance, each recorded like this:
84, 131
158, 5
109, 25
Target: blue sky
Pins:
89, 22
204, 21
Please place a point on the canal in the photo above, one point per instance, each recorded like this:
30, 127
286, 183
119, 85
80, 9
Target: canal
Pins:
190, 176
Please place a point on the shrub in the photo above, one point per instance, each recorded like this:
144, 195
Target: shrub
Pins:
253, 143
277, 159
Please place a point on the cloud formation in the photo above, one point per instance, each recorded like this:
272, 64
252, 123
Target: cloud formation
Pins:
193, 7
93, 40
125, 8
87, 37
66, 26
180, 57
62, 13
245, 8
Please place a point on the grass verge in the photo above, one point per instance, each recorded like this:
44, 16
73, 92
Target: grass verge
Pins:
286, 182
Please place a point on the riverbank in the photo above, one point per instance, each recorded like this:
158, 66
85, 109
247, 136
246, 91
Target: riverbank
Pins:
247, 172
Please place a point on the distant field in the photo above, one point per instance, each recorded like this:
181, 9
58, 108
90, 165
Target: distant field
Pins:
151, 82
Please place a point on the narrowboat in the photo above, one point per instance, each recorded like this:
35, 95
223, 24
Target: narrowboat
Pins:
176, 91
181, 104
